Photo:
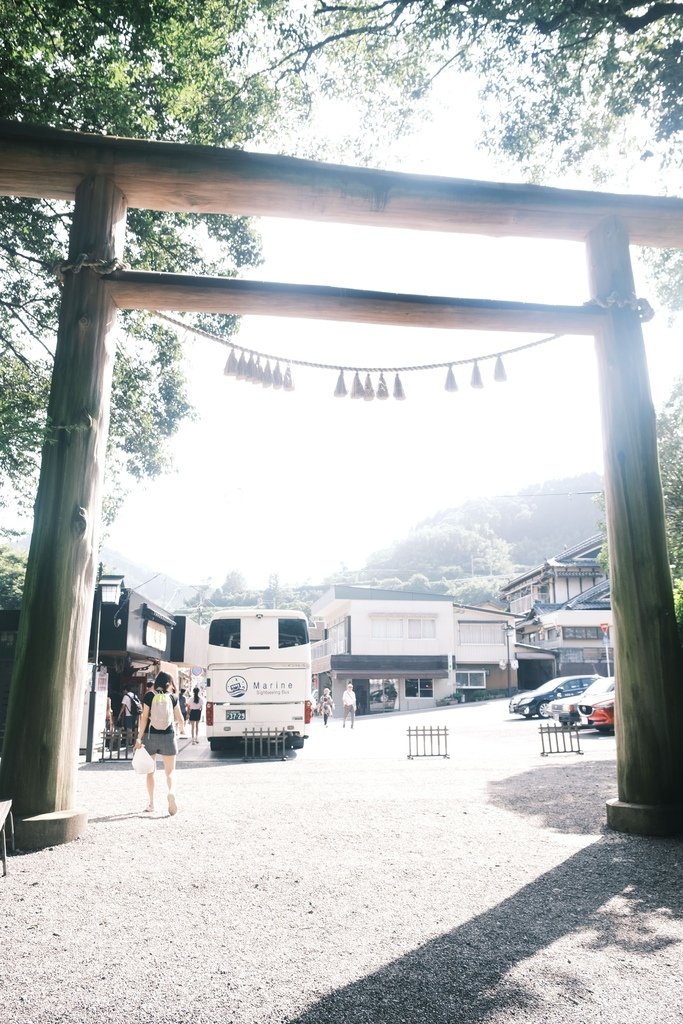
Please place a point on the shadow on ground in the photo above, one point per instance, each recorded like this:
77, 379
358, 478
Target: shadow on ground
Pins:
462, 976
567, 797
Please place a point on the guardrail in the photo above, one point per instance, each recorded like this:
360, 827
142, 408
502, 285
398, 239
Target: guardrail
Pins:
551, 735
427, 741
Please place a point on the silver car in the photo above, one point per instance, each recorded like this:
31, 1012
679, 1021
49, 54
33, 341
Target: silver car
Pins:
566, 710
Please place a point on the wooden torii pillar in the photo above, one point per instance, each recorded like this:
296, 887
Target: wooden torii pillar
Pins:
40, 754
648, 662
98, 172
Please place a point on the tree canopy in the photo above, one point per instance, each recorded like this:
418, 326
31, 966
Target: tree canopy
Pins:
670, 443
12, 573
175, 70
564, 75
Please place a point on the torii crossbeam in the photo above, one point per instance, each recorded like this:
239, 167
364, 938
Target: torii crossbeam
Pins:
103, 177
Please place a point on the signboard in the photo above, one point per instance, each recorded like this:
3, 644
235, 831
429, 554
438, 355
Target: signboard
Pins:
604, 626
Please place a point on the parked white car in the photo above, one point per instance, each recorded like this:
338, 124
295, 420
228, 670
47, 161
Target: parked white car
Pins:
566, 710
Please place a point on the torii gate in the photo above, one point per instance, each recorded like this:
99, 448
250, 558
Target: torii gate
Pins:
105, 176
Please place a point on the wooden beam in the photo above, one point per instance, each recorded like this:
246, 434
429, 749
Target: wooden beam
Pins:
42, 162
143, 290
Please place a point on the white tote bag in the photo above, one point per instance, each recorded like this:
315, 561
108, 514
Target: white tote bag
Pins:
143, 763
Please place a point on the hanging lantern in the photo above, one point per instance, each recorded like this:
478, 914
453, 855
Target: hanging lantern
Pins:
267, 375
357, 388
499, 373
399, 393
451, 383
277, 376
287, 382
241, 367
476, 381
382, 389
368, 390
231, 365
340, 390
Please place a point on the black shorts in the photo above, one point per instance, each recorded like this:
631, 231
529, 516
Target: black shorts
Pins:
195, 716
163, 743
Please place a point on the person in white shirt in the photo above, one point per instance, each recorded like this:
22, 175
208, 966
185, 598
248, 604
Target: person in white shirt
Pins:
349, 702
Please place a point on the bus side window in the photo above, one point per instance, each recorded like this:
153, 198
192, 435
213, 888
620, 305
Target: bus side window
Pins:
225, 633
291, 632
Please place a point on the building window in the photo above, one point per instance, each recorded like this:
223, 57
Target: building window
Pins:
387, 629
487, 633
419, 687
582, 633
421, 629
336, 636
8, 640
470, 680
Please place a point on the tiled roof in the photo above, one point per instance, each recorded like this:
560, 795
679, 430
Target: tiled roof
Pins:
581, 556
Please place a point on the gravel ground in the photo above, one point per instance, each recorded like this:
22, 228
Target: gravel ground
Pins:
352, 885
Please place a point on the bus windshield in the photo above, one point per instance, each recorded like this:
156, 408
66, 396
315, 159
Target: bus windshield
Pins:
228, 633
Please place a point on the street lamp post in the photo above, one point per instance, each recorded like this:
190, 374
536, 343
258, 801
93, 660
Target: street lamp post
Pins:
107, 591
509, 631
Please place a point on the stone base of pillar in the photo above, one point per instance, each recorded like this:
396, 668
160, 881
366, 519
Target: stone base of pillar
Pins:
51, 829
645, 819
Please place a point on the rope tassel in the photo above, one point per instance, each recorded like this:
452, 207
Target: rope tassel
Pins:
340, 390
357, 390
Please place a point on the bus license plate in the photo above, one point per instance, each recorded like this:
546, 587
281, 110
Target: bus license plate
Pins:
235, 716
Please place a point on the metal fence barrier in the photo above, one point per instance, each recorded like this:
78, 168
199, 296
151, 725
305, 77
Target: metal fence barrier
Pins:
427, 741
118, 744
264, 743
559, 739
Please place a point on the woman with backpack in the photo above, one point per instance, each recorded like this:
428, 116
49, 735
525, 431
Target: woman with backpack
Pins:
195, 708
160, 711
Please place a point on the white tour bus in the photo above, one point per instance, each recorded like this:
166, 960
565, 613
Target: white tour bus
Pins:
258, 674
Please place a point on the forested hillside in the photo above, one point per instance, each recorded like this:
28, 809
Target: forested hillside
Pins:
498, 535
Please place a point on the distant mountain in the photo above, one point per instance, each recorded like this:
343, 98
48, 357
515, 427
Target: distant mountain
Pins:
498, 535
163, 590
170, 593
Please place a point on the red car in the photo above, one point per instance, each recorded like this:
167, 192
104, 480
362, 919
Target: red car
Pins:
602, 715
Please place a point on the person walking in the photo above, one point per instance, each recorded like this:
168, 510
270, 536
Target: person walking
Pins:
326, 705
195, 708
349, 702
128, 713
159, 712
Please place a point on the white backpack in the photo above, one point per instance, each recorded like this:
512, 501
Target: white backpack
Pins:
161, 712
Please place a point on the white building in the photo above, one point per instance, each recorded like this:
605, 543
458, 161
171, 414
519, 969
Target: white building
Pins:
407, 650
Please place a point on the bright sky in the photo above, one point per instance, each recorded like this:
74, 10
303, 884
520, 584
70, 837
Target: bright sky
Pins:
302, 484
